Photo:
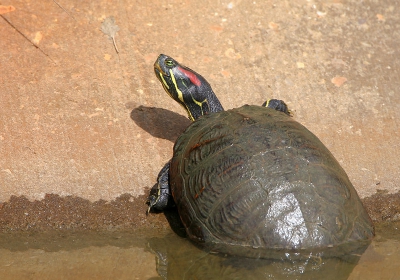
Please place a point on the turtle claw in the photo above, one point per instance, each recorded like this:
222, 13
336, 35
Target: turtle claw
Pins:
151, 201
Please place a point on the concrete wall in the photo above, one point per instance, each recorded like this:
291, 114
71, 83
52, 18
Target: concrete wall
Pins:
77, 118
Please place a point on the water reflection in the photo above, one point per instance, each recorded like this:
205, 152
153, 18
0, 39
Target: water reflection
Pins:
162, 254
178, 258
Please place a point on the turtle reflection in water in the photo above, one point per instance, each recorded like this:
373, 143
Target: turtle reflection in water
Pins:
251, 178
177, 258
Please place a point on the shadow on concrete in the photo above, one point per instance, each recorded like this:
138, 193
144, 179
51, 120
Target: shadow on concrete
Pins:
159, 122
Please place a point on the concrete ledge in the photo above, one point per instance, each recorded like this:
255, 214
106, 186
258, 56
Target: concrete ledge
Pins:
86, 124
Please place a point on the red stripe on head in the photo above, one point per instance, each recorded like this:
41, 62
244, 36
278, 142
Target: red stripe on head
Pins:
192, 77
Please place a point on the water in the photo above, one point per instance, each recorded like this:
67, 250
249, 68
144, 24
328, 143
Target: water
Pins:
161, 254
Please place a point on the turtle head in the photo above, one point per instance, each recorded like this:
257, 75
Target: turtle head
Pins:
186, 87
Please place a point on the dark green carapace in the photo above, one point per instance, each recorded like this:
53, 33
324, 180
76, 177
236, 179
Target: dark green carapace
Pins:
252, 178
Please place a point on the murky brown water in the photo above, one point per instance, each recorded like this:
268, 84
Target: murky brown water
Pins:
162, 254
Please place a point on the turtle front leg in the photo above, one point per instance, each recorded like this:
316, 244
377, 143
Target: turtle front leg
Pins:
278, 105
160, 197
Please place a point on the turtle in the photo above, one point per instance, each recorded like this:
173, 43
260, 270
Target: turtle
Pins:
252, 178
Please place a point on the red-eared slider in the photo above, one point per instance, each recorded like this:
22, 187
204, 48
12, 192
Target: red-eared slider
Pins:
252, 177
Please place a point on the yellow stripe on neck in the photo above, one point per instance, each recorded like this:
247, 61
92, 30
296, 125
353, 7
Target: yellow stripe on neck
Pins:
200, 104
178, 91
163, 81
180, 95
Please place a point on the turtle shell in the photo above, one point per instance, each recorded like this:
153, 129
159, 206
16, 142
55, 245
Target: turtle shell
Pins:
253, 177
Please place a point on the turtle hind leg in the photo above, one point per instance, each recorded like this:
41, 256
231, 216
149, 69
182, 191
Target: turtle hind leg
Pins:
278, 105
160, 197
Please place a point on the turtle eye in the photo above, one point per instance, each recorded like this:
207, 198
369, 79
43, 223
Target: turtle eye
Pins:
169, 62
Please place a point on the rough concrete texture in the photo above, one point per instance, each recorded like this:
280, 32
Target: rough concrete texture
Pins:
77, 118
74, 213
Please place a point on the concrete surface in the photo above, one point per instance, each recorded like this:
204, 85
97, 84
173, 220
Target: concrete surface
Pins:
77, 118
